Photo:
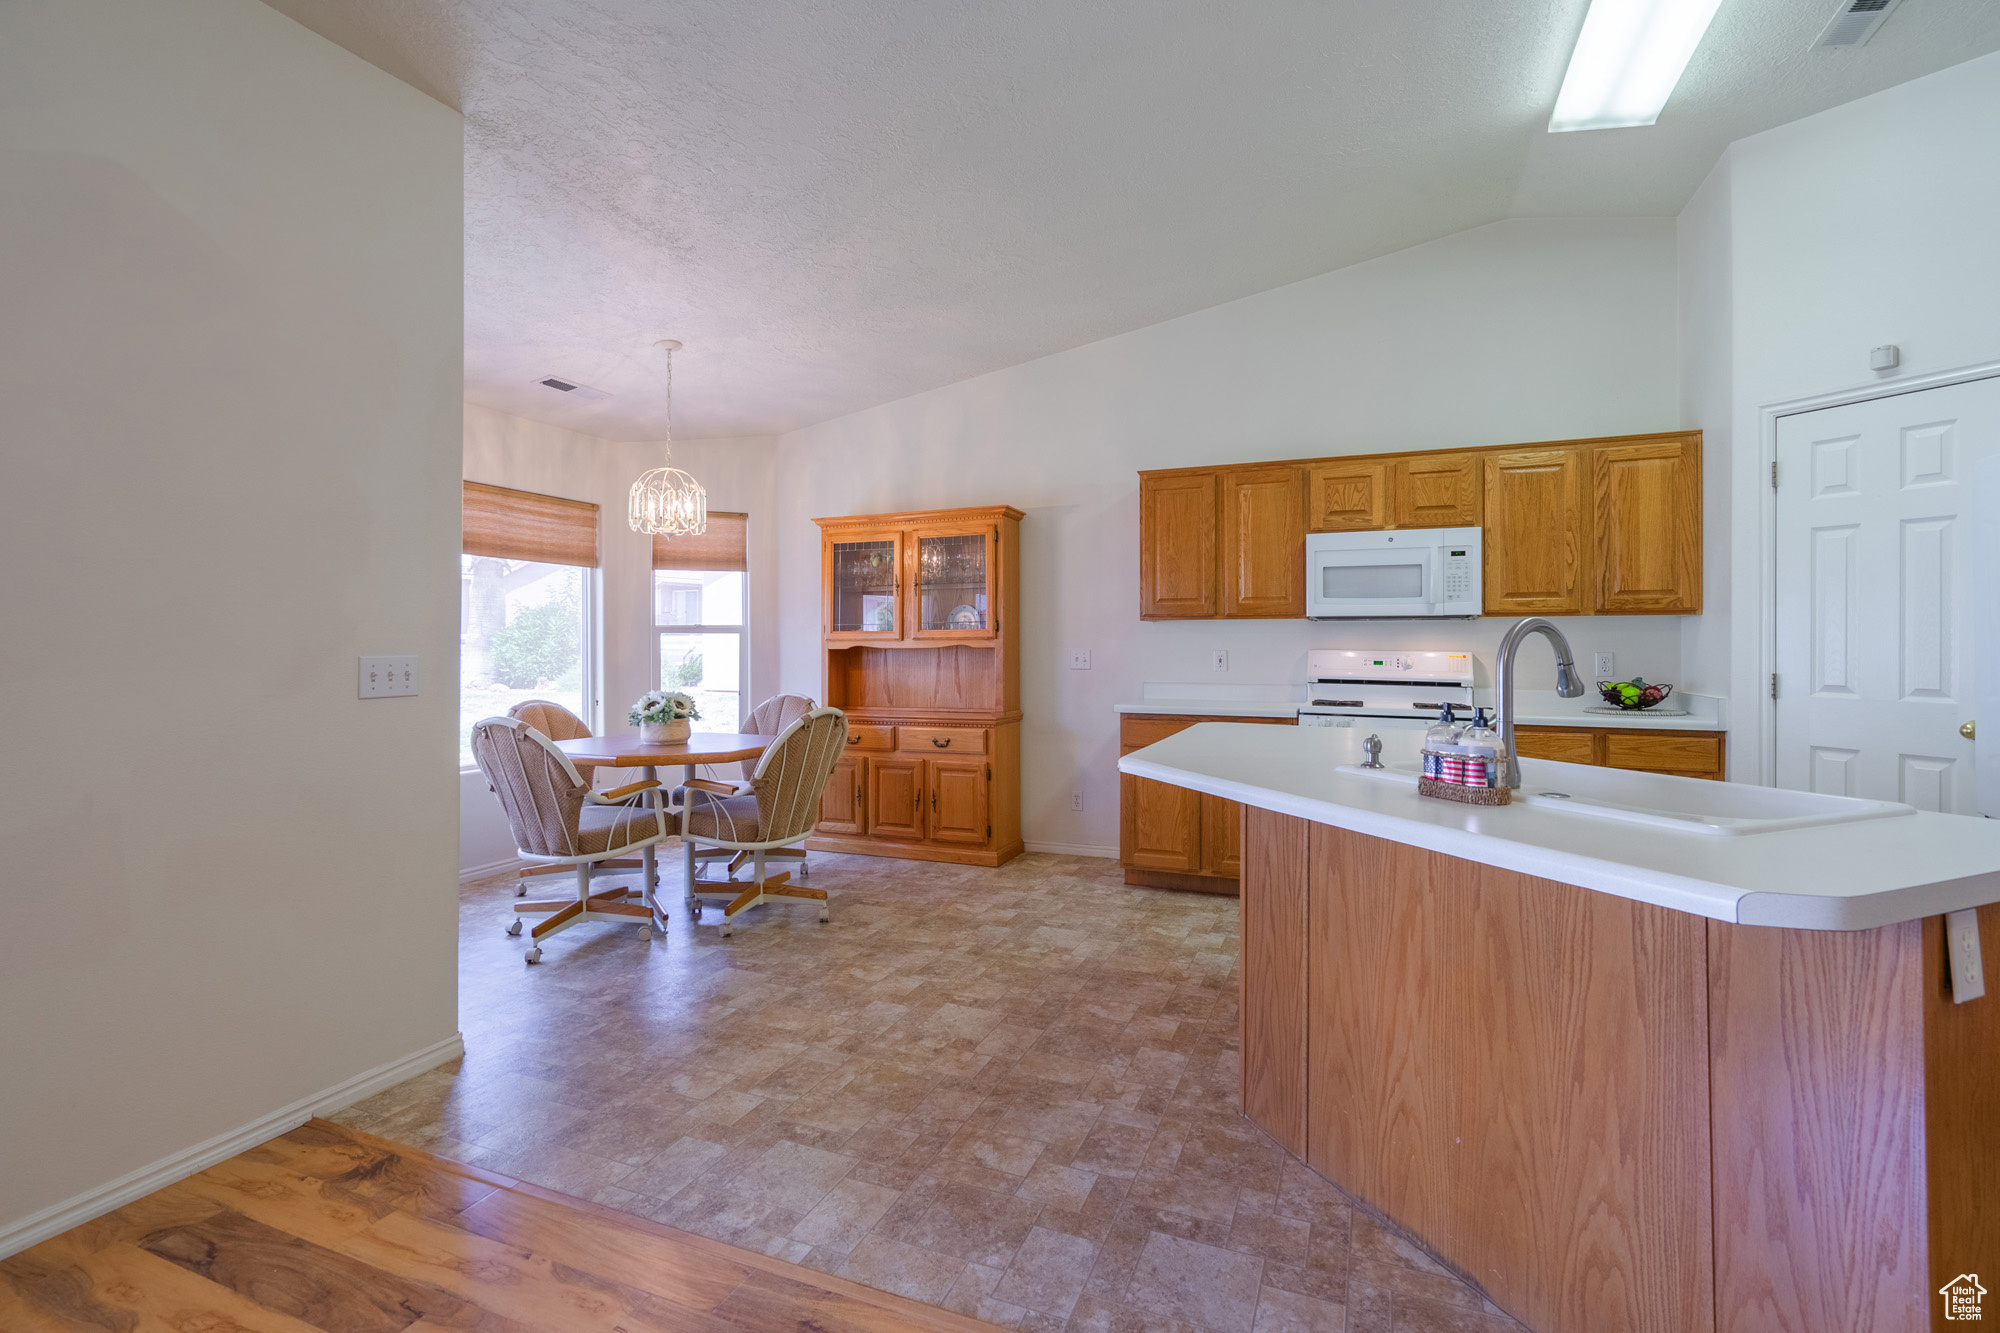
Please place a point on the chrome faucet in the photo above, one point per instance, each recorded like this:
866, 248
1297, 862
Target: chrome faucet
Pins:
1567, 685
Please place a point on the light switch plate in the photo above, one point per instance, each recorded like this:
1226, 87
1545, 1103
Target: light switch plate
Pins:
1968, 973
1080, 660
1607, 666
383, 677
1219, 659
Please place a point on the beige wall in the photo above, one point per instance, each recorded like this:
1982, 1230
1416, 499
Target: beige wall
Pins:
1808, 245
1524, 330
230, 380
506, 450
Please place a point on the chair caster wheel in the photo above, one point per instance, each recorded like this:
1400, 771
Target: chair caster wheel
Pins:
645, 932
515, 929
824, 916
521, 889
534, 955
726, 930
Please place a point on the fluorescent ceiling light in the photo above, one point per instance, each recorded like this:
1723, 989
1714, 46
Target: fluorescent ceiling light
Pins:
1627, 60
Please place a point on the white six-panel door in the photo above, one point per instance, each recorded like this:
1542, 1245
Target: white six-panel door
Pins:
1876, 579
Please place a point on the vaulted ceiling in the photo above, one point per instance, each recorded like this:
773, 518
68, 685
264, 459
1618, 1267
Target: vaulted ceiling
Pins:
838, 204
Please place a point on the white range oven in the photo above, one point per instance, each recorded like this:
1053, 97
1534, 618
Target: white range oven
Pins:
1384, 690
1399, 573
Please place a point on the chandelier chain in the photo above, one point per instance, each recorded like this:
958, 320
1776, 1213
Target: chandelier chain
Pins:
667, 502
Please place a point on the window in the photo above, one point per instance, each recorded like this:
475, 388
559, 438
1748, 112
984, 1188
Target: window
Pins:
523, 633
525, 628
699, 605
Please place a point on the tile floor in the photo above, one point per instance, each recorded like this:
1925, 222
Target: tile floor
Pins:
1010, 1092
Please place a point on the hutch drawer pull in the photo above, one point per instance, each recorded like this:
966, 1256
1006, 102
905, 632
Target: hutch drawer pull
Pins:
854, 740
942, 742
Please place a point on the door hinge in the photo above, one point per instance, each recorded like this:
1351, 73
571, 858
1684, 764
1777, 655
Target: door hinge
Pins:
989, 833
989, 772
1774, 474
1774, 684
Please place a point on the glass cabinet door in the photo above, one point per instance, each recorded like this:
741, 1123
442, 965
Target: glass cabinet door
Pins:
954, 585
861, 593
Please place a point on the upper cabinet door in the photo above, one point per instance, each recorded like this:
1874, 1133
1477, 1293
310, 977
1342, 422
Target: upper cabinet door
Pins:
1648, 527
953, 593
1537, 532
1347, 497
863, 582
1263, 542
1177, 558
1437, 490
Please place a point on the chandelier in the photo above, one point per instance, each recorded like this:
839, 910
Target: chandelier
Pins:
667, 502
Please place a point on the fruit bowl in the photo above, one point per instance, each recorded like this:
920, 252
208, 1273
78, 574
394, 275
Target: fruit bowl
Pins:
1632, 695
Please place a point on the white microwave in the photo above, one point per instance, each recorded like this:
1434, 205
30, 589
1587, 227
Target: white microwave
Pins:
1401, 573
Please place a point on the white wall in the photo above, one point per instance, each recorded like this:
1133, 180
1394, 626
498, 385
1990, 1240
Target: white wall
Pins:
1522, 330
230, 349
506, 450
1809, 244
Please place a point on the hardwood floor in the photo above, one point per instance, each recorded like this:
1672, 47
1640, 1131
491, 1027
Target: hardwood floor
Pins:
332, 1229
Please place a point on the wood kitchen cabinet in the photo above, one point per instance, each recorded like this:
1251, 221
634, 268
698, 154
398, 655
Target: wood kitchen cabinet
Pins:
921, 645
1178, 523
1686, 754
1170, 837
1646, 529
1344, 495
1571, 527
1437, 490
1537, 534
1263, 542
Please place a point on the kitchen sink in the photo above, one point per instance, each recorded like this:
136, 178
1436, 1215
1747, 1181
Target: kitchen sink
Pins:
1678, 805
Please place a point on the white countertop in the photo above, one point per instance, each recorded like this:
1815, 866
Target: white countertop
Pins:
1213, 708
1533, 708
1853, 876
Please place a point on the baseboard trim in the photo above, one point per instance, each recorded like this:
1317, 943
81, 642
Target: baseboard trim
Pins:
492, 867
81, 1208
1072, 849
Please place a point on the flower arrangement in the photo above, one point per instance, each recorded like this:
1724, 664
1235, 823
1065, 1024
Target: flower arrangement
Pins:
659, 707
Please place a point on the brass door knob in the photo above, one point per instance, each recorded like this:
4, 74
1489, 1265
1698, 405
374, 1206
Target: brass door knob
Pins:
1965, 729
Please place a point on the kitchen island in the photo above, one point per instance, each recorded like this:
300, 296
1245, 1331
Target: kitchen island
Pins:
1626, 1072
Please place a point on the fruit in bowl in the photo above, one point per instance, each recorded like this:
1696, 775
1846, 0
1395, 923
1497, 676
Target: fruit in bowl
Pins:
1633, 694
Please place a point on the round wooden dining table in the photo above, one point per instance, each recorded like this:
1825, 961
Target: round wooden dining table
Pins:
626, 750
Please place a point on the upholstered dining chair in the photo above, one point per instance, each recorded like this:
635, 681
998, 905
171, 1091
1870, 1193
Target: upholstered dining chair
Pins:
777, 813
558, 724
559, 822
766, 719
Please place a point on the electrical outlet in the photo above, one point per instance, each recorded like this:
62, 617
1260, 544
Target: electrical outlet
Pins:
383, 677
1079, 660
1607, 666
1218, 658
1076, 798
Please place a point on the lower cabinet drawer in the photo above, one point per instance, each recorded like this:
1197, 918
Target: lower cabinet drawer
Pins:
864, 736
1693, 755
941, 740
1570, 747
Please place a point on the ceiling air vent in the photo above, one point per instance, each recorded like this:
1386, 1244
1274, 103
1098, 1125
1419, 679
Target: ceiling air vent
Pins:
1855, 22
573, 388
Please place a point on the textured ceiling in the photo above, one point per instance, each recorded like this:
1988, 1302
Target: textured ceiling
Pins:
836, 205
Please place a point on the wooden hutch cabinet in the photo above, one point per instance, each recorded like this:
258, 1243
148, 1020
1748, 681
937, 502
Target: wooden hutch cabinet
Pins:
920, 635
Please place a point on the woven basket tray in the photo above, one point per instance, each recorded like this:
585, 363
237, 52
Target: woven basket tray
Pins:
1452, 791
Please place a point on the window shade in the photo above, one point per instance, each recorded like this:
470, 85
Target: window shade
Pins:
725, 545
521, 525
